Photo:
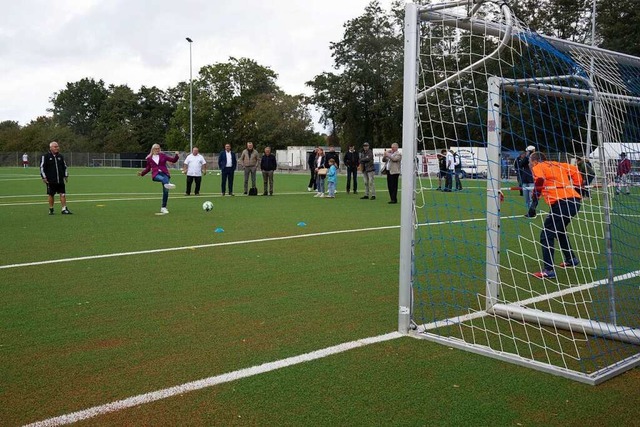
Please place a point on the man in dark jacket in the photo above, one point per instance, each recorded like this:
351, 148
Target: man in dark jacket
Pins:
311, 162
331, 154
352, 162
227, 164
53, 171
268, 165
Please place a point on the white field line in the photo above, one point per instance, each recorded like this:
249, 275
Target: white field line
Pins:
43, 200
81, 195
237, 242
209, 382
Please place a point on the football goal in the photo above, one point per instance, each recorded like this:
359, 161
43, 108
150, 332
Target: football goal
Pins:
475, 77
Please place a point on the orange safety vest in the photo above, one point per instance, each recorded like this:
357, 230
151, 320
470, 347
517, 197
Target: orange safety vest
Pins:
556, 181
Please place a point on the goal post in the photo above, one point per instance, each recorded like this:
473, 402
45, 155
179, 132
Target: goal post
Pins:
477, 79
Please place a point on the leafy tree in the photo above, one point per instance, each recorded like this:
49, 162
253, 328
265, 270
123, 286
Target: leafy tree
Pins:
618, 22
9, 135
115, 125
36, 136
363, 102
78, 105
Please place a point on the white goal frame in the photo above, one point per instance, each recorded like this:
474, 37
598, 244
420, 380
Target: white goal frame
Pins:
553, 86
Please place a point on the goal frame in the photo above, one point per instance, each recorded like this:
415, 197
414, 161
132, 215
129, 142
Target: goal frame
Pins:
552, 86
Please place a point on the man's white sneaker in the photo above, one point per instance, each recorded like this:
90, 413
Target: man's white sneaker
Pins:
164, 211
321, 195
317, 195
169, 186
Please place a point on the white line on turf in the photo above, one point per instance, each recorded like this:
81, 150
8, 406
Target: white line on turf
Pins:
209, 382
238, 242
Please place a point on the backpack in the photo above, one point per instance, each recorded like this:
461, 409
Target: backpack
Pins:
253, 191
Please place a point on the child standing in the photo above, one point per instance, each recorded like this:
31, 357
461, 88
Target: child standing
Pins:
332, 178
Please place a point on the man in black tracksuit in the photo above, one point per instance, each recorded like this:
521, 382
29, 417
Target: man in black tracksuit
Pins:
53, 171
352, 161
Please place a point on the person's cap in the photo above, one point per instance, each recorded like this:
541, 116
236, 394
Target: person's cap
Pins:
531, 148
366, 144
623, 154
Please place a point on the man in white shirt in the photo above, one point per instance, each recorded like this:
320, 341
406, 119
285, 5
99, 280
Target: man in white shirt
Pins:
448, 182
194, 166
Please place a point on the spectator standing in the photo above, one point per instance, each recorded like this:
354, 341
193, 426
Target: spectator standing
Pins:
332, 178
368, 172
53, 171
320, 166
25, 160
194, 166
442, 168
249, 161
516, 168
268, 165
157, 164
448, 182
505, 167
352, 163
393, 159
331, 154
588, 174
526, 179
457, 166
556, 182
622, 174
227, 164
311, 163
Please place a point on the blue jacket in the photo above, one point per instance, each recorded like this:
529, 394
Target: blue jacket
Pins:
222, 160
332, 174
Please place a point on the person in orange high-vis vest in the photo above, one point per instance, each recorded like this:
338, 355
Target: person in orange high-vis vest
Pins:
559, 184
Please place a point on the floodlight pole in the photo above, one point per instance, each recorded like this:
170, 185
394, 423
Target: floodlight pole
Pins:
190, 97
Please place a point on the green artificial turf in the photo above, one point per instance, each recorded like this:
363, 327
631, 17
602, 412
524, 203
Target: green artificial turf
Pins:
91, 331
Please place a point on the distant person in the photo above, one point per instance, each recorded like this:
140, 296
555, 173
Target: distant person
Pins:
311, 163
352, 163
249, 160
622, 174
457, 170
268, 165
227, 164
368, 172
157, 164
525, 177
504, 163
25, 160
516, 168
320, 167
588, 174
442, 168
393, 159
332, 178
451, 168
194, 166
332, 154
53, 171
556, 183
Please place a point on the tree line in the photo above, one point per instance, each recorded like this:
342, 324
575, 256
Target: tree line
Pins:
239, 100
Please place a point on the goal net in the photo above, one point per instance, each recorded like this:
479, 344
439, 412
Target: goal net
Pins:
551, 282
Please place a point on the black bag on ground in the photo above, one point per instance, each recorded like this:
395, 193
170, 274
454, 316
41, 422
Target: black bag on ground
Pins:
253, 191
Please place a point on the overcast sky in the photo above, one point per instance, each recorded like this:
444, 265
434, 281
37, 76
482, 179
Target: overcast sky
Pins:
46, 43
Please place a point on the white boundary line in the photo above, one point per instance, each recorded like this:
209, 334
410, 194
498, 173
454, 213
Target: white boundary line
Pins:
237, 242
209, 382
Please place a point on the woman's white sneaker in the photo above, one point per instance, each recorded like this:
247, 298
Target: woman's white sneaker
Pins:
164, 211
169, 186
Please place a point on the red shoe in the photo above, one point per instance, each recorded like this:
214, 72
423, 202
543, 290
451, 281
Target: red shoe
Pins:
568, 264
545, 274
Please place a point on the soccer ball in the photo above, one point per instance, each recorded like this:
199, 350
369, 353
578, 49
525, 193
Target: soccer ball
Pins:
207, 206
